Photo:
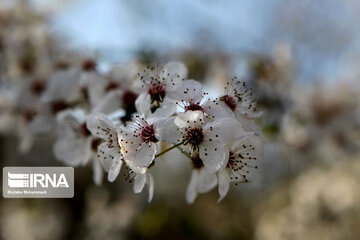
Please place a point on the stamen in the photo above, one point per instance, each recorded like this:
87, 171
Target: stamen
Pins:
194, 136
148, 134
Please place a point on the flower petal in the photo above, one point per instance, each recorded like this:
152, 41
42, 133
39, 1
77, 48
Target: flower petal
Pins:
224, 130
97, 172
150, 182
224, 179
101, 126
114, 169
248, 125
72, 151
94, 83
217, 109
166, 109
42, 124
69, 121
108, 103
139, 183
206, 181
143, 157
214, 155
189, 91
167, 130
107, 154
255, 151
191, 192
189, 118
142, 104
173, 70
63, 85
26, 142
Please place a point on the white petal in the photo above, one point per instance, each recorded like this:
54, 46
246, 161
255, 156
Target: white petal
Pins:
216, 109
167, 130
71, 115
63, 85
42, 124
166, 109
114, 169
223, 183
97, 172
72, 151
142, 104
101, 126
95, 84
109, 103
257, 143
106, 155
214, 155
150, 182
189, 118
248, 125
123, 74
224, 130
26, 142
143, 157
69, 121
206, 181
139, 183
191, 192
174, 70
248, 113
189, 90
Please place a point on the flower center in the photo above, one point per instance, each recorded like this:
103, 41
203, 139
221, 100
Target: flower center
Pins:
111, 86
148, 134
57, 106
237, 165
229, 101
128, 102
129, 99
232, 160
194, 107
194, 136
84, 131
95, 143
157, 93
37, 87
89, 65
29, 115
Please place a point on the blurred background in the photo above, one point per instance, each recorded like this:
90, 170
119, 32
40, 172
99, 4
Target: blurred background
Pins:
300, 57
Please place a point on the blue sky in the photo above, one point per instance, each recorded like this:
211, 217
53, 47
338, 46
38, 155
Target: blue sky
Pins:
321, 33
163, 25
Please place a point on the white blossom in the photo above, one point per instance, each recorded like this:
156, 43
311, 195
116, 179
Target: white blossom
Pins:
201, 181
120, 120
192, 98
141, 179
238, 102
109, 151
243, 152
138, 141
75, 145
208, 139
158, 89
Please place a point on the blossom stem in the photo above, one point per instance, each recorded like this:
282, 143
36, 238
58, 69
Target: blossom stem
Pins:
169, 149
183, 152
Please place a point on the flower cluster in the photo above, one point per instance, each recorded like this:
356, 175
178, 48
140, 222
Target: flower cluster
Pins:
123, 118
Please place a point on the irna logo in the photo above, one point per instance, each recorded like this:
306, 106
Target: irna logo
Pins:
19, 180
38, 182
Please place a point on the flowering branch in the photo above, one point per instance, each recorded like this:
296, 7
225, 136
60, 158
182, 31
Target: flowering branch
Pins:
169, 149
217, 134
